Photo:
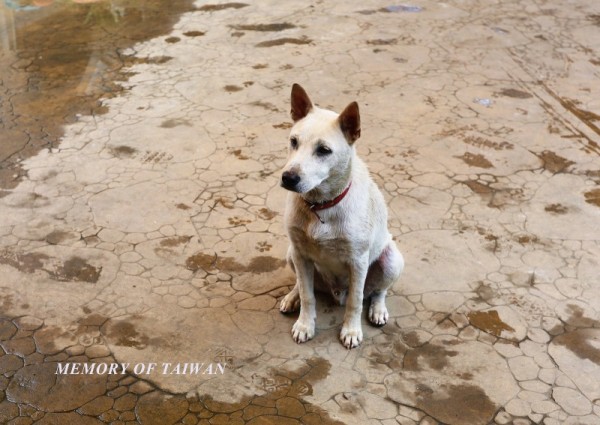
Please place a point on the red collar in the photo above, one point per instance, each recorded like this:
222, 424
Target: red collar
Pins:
317, 206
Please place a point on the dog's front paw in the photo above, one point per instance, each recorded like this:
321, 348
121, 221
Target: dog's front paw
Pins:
378, 314
351, 337
302, 332
290, 303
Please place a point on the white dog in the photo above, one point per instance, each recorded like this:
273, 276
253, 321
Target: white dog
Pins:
336, 220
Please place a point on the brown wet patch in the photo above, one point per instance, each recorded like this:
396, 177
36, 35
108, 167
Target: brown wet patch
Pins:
527, 239
175, 241
76, 269
194, 33
481, 142
383, 42
207, 262
556, 209
285, 40
174, 122
265, 105
172, 40
232, 88
182, 207
580, 343
578, 317
434, 356
222, 6
260, 66
239, 155
124, 334
479, 188
457, 404
475, 160
267, 214
593, 197
52, 68
489, 321
56, 237
283, 125
553, 162
264, 27
518, 94
123, 151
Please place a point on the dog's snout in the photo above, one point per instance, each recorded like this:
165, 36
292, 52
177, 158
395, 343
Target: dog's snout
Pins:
290, 180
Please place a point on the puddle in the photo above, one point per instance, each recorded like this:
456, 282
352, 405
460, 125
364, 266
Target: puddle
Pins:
58, 61
489, 321
455, 404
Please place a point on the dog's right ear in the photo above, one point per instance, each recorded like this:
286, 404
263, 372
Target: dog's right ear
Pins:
301, 104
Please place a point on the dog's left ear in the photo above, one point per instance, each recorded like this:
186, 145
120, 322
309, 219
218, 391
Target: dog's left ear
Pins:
349, 121
301, 104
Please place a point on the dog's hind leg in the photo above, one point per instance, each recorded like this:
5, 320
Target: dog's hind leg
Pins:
383, 273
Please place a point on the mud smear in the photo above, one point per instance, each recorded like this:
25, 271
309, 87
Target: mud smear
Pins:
489, 321
283, 126
223, 6
285, 40
265, 105
75, 269
383, 42
593, 197
207, 262
479, 188
578, 317
580, 343
264, 27
124, 334
194, 33
434, 356
59, 60
475, 160
232, 88
557, 209
172, 123
518, 94
464, 404
553, 162
266, 214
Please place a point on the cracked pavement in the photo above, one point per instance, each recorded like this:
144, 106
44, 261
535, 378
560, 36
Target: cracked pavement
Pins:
141, 213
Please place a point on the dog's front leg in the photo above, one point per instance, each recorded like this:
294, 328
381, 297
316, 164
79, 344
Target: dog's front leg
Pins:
351, 334
304, 328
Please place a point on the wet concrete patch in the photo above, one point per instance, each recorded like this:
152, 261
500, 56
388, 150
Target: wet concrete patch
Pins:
558, 209
67, 53
518, 94
475, 160
553, 162
264, 27
222, 6
582, 343
283, 41
432, 355
194, 33
74, 269
207, 262
489, 321
593, 197
123, 151
481, 142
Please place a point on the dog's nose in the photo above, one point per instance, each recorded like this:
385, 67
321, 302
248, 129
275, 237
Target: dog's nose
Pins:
290, 180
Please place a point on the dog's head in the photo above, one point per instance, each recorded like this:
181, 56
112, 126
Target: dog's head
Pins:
321, 144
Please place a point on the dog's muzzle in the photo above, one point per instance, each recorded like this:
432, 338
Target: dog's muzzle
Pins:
290, 180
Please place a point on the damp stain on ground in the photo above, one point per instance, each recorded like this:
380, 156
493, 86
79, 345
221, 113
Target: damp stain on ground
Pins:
475, 160
283, 41
222, 6
489, 321
208, 262
455, 404
518, 94
59, 60
553, 162
264, 27
75, 269
593, 197
433, 355
557, 209
583, 343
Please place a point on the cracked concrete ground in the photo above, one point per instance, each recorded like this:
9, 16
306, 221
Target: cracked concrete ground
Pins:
141, 215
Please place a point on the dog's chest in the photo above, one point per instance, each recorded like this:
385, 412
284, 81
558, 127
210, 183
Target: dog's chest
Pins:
322, 243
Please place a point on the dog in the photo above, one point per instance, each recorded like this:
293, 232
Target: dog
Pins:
336, 221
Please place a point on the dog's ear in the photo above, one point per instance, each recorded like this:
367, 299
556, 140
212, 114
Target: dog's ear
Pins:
349, 121
301, 104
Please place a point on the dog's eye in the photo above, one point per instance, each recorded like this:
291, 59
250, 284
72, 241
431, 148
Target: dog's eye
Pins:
323, 150
294, 142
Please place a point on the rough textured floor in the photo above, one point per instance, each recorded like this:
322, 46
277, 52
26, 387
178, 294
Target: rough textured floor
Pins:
149, 227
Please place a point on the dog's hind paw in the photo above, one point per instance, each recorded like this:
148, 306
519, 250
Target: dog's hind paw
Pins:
290, 303
302, 332
351, 337
378, 315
